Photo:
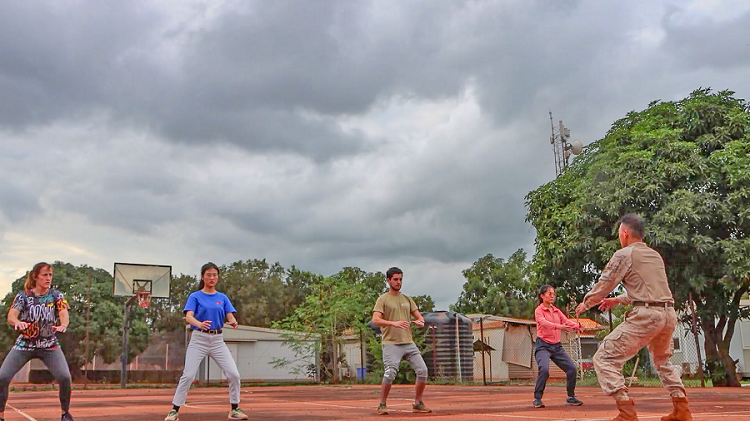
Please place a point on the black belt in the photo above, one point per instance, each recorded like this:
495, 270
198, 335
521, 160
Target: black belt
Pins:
649, 304
211, 331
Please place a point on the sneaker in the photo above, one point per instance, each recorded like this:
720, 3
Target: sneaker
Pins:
538, 403
172, 416
419, 407
237, 414
573, 401
382, 409
67, 417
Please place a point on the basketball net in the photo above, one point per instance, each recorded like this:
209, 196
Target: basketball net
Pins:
144, 298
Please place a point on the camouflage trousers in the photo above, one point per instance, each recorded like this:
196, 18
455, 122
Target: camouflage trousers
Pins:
651, 327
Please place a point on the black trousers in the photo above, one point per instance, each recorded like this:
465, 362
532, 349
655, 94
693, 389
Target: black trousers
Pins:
544, 352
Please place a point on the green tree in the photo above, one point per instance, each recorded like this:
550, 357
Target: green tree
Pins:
496, 286
105, 328
337, 305
685, 167
424, 302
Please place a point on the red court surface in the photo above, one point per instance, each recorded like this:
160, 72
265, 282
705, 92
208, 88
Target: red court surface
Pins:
358, 402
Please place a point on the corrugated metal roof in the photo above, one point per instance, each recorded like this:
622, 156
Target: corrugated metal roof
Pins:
495, 322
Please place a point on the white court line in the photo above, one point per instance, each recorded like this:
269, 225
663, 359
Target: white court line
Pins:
28, 417
339, 406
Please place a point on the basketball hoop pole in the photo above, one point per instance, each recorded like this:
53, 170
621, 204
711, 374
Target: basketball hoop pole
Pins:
125, 330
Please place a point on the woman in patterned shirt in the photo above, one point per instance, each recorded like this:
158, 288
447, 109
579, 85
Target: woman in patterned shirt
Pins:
35, 313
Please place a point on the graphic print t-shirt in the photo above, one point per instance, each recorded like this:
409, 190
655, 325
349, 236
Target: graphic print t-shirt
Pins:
212, 307
41, 313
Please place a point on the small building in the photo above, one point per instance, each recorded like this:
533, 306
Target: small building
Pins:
255, 349
504, 347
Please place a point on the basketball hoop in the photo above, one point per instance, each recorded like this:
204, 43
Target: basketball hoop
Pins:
144, 298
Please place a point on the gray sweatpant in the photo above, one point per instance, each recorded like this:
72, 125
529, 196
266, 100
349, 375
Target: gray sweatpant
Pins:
53, 358
392, 356
201, 345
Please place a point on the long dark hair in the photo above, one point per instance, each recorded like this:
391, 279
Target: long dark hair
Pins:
543, 290
204, 268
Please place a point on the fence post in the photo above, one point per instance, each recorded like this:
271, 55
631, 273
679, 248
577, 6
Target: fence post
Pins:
362, 354
458, 351
434, 352
697, 342
481, 341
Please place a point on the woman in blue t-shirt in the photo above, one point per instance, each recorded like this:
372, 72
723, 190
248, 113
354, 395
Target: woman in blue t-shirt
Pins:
205, 311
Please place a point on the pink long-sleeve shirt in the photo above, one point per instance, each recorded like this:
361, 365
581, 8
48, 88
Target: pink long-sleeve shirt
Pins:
549, 323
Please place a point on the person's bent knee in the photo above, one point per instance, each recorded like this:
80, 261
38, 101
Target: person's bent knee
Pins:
63, 379
5, 380
571, 371
421, 373
233, 376
598, 359
389, 375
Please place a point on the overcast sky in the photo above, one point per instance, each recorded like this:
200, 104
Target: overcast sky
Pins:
320, 134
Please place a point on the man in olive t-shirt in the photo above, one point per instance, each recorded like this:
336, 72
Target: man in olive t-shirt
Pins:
393, 312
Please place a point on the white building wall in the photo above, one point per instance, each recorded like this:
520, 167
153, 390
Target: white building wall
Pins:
499, 368
254, 362
739, 347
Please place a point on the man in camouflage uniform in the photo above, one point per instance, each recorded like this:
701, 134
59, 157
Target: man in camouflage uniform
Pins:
649, 323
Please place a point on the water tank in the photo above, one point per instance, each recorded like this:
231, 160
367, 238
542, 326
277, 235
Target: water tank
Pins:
449, 346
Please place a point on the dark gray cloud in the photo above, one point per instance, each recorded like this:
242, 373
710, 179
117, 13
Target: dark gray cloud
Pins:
708, 43
18, 203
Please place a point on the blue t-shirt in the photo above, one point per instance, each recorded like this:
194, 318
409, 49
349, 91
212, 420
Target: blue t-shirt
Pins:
212, 307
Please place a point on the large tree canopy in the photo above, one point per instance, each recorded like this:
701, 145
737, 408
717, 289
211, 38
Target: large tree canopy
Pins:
496, 286
685, 167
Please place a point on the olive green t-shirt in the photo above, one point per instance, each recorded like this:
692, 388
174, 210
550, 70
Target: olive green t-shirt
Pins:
395, 308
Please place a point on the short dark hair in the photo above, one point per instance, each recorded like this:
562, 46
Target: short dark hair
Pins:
392, 271
543, 290
635, 224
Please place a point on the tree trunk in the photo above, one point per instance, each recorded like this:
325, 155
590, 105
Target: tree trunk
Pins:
729, 366
717, 353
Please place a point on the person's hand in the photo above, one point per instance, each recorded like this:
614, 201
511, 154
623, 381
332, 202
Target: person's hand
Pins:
401, 325
61, 328
608, 303
580, 309
234, 324
206, 325
419, 323
19, 325
580, 327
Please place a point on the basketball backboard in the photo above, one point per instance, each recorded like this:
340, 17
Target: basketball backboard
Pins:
132, 277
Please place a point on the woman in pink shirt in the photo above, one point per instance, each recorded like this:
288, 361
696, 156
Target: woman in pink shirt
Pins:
550, 323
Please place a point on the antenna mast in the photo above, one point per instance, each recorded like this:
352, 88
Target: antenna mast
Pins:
560, 146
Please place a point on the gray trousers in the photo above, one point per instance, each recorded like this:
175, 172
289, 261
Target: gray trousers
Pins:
392, 356
54, 359
201, 345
